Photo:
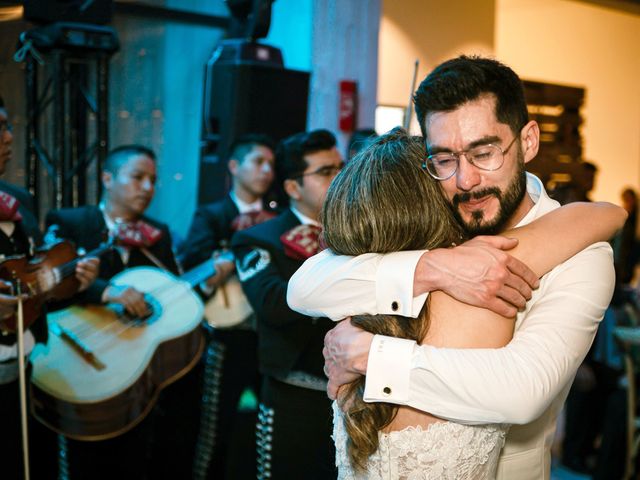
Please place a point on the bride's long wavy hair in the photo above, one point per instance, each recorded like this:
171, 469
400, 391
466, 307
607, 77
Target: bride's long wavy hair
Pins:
382, 202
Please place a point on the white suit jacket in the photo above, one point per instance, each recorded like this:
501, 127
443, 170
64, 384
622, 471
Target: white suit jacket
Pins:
524, 383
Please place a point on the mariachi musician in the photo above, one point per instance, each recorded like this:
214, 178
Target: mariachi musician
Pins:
19, 235
233, 363
294, 420
162, 443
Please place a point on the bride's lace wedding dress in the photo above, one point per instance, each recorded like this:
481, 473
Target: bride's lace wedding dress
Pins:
442, 451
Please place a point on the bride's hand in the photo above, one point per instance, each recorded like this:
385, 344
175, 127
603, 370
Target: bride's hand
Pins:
346, 352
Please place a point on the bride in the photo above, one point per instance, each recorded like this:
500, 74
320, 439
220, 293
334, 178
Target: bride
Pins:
377, 204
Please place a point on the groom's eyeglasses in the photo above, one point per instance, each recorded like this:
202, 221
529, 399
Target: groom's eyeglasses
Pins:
444, 165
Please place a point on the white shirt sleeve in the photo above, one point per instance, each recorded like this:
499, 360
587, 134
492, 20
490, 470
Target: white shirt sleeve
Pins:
336, 286
513, 384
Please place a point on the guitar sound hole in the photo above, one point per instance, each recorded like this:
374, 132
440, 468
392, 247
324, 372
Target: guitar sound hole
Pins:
154, 307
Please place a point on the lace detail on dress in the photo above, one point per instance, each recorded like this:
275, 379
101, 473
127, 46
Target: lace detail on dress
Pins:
443, 451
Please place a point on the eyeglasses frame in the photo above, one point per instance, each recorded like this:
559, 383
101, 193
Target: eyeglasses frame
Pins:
317, 171
465, 152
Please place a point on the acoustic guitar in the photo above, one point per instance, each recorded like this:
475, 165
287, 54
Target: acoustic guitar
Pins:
228, 306
101, 372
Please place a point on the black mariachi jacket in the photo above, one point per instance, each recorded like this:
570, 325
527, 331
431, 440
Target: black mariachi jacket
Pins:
27, 234
210, 230
85, 226
287, 340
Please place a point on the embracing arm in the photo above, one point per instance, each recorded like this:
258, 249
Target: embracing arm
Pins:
560, 234
337, 286
514, 384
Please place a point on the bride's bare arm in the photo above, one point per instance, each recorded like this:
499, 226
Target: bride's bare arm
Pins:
542, 244
560, 234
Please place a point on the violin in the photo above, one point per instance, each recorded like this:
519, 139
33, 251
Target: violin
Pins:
48, 275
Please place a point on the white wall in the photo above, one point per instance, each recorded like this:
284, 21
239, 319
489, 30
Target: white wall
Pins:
345, 47
430, 31
578, 44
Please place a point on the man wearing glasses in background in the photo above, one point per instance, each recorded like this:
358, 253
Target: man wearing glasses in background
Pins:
474, 118
294, 421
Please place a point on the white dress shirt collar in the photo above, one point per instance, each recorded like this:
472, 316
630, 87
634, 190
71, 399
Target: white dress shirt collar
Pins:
303, 218
122, 250
543, 203
245, 207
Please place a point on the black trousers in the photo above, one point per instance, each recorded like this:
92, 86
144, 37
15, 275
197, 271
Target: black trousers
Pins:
42, 441
237, 370
162, 445
294, 433
585, 411
125, 457
612, 454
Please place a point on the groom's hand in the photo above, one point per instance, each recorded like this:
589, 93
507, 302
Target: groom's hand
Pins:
346, 352
478, 272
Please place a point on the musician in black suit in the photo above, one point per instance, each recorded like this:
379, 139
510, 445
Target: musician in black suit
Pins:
294, 424
20, 235
161, 445
231, 359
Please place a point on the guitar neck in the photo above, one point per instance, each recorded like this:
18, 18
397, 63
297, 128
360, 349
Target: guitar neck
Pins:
200, 273
69, 268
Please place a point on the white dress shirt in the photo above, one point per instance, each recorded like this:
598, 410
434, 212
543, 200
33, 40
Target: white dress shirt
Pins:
525, 382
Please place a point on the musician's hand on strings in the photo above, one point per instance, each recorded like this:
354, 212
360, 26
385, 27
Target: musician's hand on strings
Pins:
130, 298
8, 301
87, 271
225, 266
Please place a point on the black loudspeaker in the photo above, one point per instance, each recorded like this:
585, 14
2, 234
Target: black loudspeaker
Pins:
80, 11
247, 98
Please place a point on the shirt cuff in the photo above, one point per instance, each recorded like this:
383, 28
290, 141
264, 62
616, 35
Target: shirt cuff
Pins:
394, 284
388, 370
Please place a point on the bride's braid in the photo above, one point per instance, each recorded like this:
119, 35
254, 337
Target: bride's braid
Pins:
383, 202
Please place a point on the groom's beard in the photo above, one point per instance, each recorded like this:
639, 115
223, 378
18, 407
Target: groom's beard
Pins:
509, 202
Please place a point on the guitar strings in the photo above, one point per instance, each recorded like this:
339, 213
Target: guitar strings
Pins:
85, 331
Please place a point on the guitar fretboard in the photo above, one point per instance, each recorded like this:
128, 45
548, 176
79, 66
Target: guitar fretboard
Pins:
200, 273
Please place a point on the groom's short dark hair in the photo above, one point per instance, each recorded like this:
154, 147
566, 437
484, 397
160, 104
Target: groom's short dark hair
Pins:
466, 78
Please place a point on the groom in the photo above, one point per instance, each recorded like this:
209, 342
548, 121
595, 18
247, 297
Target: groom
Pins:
465, 103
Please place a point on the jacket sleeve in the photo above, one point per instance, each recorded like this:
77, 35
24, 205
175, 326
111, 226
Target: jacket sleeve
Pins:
93, 294
262, 283
167, 253
338, 286
513, 384
201, 240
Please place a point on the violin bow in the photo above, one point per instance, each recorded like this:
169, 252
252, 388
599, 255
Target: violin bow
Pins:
22, 384
409, 110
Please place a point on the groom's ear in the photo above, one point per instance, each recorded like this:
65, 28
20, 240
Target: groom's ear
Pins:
530, 140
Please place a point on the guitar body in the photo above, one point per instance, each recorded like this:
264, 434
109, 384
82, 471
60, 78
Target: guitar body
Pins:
229, 306
96, 400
